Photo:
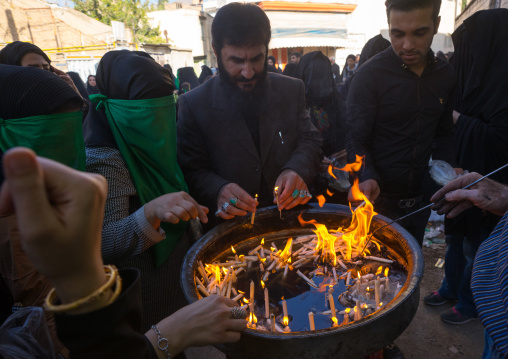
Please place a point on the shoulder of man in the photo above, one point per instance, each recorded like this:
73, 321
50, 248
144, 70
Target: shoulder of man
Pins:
283, 83
204, 90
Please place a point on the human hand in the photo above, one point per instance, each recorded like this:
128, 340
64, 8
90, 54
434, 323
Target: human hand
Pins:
487, 194
66, 78
244, 202
173, 208
60, 213
289, 181
205, 322
325, 163
370, 188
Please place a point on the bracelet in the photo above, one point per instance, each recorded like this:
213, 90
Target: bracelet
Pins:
162, 343
113, 280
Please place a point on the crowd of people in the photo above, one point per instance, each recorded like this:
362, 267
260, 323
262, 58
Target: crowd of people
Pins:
105, 185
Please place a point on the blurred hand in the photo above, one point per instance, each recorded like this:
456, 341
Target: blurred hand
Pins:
325, 163
287, 182
205, 322
66, 78
59, 212
245, 202
487, 194
370, 188
173, 208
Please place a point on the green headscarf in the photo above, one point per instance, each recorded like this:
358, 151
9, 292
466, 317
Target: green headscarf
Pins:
145, 132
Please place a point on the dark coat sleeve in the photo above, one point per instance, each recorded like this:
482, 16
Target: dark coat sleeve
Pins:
110, 332
442, 145
361, 112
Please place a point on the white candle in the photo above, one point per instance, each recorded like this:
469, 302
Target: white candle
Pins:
346, 316
285, 310
272, 321
311, 321
335, 275
348, 278
332, 307
253, 213
286, 270
251, 292
376, 294
267, 304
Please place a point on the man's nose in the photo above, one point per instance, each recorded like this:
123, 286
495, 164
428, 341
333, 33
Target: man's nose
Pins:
408, 43
248, 70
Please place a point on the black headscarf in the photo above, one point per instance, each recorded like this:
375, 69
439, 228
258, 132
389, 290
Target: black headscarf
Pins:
321, 97
80, 85
124, 75
168, 67
271, 68
373, 47
14, 52
29, 91
205, 73
481, 136
187, 74
290, 70
92, 90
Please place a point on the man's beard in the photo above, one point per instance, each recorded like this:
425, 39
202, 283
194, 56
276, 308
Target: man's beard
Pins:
247, 102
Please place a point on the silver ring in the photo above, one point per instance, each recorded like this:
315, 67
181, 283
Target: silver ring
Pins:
303, 193
217, 212
225, 206
238, 313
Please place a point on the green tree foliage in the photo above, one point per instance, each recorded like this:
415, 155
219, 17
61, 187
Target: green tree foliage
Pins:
131, 12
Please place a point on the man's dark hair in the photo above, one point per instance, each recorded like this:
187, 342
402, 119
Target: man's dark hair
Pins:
297, 54
240, 24
351, 56
410, 5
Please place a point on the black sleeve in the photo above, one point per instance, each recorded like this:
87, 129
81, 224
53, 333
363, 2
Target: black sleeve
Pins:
110, 332
442, 146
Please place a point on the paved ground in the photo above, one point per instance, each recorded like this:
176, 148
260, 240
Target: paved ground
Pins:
427, 337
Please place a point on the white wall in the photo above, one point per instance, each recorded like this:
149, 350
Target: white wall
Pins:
183, 26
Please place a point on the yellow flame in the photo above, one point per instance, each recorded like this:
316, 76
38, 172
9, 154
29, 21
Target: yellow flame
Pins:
254, 318
359, 277
241, 256
379, 270
347, 310
256, 196
263, 284
276, 189
285, 321
285, 253
368, 289
245, 300
239, 291
386, 272
262, 241
234, 252
272, 249
365, 306
335, 321
217, 274
330, 171
321, 200
289, 260
380, 304
325, 241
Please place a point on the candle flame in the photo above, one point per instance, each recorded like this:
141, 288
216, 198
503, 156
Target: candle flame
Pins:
239, 291
368, 289
347, 310
263, 284
365, 306
276, 189
262, 241
217, 274
379, 270
380, 304
330, 171
335, 321
321, 200
285, 321
386, 271
234, 252
328, 192
245, 300
252, 318
285, 253
272, 249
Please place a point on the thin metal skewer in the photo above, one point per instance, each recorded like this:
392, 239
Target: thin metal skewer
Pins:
430, 205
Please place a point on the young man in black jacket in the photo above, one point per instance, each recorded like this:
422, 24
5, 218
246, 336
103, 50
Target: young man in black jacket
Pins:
399, 112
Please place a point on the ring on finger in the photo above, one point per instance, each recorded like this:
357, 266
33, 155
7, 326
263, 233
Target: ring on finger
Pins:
233, 201
296, 192
225, 206
217, 212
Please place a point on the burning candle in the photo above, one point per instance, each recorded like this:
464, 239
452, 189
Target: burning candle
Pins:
358, 283
276, 189
387, 281
253, 213
346, 316
311, 321
332, 308
267, 304
285, 319
376, 294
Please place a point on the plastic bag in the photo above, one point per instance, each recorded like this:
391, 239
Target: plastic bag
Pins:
25, 334
341, 184
442, 172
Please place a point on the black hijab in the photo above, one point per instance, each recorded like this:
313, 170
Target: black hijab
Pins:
290, 70
80, 85
14, 52
373, 47
187, 74
92, 90
168, 67
205, 73
29, 91
124, 75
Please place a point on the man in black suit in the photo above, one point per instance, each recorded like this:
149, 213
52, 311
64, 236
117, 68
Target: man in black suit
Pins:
246, 131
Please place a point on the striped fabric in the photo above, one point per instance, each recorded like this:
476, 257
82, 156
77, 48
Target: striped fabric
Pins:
127, 236
490, 285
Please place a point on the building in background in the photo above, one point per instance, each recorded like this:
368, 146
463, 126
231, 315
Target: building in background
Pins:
465, 8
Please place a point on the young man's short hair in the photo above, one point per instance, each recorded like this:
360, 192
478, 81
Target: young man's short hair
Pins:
410, 5
296, 54
239, 24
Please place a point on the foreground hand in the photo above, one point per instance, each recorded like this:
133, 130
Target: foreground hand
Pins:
244, 201
205, 322
173, 208
59, 212
487, 194
288, 182
370, 188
